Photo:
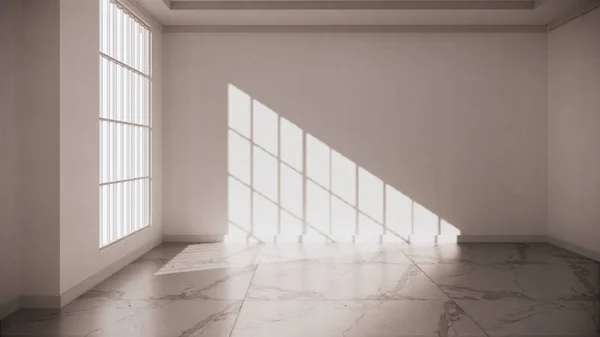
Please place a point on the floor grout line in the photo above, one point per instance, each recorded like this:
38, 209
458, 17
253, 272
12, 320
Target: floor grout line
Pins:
250, 283
236, 318
450, 298
245, 297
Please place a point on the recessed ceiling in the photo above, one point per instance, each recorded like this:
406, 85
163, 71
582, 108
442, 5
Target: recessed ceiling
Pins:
359, 12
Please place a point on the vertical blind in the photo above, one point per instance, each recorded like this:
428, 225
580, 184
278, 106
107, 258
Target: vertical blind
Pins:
125, 123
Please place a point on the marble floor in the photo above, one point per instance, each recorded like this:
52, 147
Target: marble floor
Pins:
360, 290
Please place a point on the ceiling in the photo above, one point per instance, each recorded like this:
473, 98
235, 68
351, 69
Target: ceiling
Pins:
196, 14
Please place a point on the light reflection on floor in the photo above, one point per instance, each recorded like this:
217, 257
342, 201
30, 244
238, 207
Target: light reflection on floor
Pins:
364, 289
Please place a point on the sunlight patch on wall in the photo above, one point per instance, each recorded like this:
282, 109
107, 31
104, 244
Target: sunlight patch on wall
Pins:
343, 178
286, 185
317, 161
398, 212
239, 106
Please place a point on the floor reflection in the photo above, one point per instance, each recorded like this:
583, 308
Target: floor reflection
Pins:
365, 289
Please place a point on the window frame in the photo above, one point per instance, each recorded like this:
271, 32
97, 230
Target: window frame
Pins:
103, 56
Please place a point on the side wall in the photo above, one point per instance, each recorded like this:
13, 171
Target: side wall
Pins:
10, 228
456, 122
574, 134
38, 105
82, 263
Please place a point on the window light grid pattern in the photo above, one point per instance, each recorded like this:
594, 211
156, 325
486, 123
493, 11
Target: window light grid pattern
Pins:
125, 123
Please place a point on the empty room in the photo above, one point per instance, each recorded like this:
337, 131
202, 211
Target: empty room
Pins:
294, 168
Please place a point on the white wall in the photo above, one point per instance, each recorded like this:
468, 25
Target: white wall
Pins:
10, 229
49, 154
80, 256
574, 133
457, 122
38, 104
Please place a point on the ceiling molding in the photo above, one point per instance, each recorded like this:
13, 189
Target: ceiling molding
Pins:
580, 11
350, 5
356, 29
167, 3
141, 13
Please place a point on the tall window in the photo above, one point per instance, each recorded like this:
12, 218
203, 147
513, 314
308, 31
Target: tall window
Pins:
125, 123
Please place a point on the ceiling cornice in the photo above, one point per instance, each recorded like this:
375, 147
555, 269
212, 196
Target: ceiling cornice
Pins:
141, 13
350, 5
585, 8
356, 29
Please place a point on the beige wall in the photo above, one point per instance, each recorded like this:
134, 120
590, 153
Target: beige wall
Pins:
456, 122
574, 133
55, 178
80, 257
38, 105
10, 229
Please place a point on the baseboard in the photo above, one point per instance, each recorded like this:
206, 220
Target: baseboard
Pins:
450, 239
87, 284
388, 238
502, 238
10, 307
193, 238
40, 302
574, 248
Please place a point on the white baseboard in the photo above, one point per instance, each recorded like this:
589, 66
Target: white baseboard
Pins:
193, 238
452, 239
10, 307
574, 248
417, 239
502, 238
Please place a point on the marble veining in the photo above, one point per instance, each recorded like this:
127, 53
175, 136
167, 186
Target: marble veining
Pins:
351, 290
134, 282
354, 318
523, 317
342, 281
343, 253
177, 257
494, 253
525, 281
100, 317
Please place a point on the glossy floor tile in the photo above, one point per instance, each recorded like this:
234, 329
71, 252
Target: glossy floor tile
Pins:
149, 281
353, 318
526, 281
176, 257
520, 317
371, 290
362, 253
100, 317
493, 253
342, 281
